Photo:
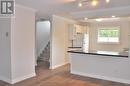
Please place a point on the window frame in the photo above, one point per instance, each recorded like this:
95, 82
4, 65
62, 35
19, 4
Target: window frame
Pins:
110, 28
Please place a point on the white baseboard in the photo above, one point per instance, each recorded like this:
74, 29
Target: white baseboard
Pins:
59, 65
5, 79
23, 78
17, 79
102, 77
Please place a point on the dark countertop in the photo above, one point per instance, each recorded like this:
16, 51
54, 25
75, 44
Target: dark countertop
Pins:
74, 47
103, 53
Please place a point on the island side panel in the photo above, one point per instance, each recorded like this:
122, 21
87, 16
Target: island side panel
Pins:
102, 67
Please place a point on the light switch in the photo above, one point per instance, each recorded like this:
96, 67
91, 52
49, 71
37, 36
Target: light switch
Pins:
7, 34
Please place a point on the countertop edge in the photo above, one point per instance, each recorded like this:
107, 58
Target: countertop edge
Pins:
97, 54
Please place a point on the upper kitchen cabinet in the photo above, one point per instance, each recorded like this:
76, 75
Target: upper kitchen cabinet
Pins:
75, 29
76, 35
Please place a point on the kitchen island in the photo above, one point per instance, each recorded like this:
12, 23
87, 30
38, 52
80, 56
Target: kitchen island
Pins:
107, 65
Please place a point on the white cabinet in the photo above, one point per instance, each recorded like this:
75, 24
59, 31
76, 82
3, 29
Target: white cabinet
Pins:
72, 32
76, 35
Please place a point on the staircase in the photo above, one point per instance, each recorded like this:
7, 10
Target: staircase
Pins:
45, 55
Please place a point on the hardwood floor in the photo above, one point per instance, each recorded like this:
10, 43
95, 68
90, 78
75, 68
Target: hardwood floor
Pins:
60, 77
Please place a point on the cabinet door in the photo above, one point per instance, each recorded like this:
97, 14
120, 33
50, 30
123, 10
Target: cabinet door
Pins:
78, 29
78, 40
72, 32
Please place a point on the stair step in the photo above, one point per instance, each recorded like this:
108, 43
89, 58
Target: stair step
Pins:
45, 55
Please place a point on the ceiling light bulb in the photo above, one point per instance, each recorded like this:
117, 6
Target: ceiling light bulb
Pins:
80, 4
99, 20
85, 18
107, 1
113, 16
94, 2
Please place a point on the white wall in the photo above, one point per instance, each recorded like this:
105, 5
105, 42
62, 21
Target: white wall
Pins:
5, 49
42, 35
17, 47
59, 41
124, 38
23, 44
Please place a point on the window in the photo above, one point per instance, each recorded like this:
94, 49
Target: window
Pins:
108, 35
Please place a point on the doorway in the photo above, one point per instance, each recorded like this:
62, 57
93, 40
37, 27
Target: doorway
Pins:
43, 43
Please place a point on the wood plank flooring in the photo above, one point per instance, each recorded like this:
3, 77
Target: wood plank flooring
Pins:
60, 77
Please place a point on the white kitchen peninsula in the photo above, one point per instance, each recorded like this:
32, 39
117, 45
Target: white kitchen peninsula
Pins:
113, 66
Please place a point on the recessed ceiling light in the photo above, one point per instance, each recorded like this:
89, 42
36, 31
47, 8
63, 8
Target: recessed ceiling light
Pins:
80, 4
85, 18
94, 2
107, 1
113, 16
99, 20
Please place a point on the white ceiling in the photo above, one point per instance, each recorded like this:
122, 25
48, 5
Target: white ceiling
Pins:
69, 8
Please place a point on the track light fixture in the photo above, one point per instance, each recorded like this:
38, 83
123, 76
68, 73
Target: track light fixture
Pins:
92, 2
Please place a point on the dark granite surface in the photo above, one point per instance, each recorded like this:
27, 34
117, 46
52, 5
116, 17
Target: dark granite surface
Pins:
74, 47
103, 53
